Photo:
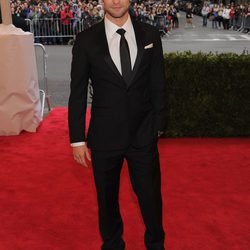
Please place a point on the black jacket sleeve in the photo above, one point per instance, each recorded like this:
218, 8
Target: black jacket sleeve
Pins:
158, 84
78, 91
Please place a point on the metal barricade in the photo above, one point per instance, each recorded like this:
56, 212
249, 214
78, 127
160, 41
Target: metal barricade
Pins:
48, 30
242, 24
247, 24
29, 24
238, 23
151, 22
44, 90
53, 27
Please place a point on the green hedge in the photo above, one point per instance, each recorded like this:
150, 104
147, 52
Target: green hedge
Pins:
208, 94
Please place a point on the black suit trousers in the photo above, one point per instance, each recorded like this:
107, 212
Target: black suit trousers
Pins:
145, 176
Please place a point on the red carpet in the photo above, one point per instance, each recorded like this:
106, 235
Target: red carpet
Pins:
47, 201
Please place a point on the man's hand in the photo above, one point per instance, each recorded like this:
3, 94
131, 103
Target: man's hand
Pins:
81, 153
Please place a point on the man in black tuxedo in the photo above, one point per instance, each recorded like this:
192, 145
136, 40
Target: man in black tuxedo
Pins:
124, 60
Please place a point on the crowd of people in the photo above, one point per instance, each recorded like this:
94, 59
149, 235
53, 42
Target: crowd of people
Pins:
80, 14
220, 15
224, 16
76, 15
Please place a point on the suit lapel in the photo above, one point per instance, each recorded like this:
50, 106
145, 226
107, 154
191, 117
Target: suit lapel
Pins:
106, 54
139, 35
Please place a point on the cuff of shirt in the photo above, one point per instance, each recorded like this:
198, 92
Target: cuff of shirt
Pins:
77, 144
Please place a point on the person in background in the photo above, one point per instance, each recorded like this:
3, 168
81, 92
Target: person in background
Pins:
215, 16
34, 16
232, 17
204, 13
226, 17
76, 12
66, 17
220, 17
189, 16
45, 28
151, 16
86, 17
175, 14
170, 17
25, 10
100, 11
18, 21
248, 11
237, 15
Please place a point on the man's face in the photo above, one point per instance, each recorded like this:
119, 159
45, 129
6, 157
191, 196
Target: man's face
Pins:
116, 8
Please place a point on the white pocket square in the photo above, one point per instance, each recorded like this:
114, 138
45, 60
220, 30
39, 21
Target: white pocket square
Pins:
149, 46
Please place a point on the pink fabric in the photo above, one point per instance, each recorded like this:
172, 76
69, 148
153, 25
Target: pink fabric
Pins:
20, 107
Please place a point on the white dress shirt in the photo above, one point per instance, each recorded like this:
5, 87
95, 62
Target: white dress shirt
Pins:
113, 39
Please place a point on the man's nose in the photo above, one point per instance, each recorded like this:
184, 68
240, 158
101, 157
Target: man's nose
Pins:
116, 2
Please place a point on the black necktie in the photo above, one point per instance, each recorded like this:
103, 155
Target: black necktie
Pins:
125, 56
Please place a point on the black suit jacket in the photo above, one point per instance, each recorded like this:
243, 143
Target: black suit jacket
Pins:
122, 114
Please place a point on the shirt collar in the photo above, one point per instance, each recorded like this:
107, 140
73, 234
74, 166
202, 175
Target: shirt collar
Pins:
111, 28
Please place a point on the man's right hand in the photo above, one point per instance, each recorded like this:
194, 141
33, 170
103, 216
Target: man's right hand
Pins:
81, 154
